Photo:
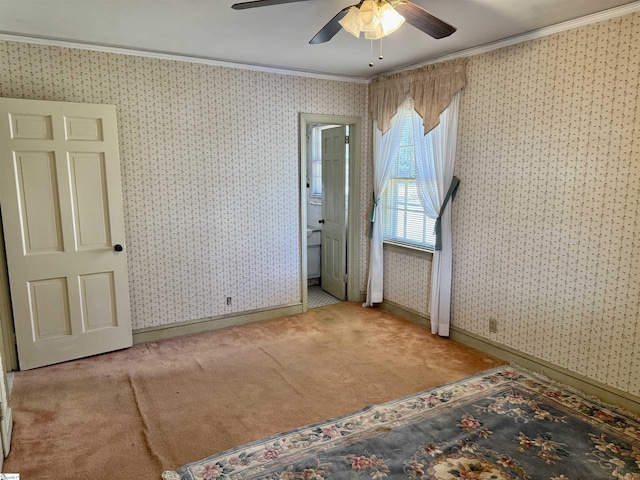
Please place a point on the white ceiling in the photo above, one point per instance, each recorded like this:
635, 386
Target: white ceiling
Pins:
277, 36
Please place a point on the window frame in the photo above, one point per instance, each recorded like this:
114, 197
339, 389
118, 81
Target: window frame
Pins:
391, 203
315, 163
314, 145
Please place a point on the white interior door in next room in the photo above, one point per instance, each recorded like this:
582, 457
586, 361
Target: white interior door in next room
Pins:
334, 231
61, 202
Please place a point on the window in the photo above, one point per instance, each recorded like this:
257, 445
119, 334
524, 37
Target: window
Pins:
403, 214
316, 161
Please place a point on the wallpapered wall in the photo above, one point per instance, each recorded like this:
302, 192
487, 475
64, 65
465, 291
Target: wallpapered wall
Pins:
210, 168
547, 218
407, 280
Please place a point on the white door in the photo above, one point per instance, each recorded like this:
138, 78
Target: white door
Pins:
334, 233
61, 202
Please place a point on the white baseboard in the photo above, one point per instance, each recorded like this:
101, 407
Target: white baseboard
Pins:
213, 323
587, 385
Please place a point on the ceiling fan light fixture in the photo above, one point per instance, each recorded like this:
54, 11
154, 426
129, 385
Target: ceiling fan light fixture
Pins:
369, 15
351, 22
375, 19
376, 34
390, 19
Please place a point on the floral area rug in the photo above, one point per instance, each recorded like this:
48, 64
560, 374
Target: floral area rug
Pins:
502, 424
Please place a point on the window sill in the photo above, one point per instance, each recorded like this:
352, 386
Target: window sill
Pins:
415, 251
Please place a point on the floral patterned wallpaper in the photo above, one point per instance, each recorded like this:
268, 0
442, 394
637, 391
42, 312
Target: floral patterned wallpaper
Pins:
547, 218
407, 280
210, 166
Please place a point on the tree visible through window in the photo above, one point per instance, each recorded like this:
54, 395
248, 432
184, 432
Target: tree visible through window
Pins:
403, 214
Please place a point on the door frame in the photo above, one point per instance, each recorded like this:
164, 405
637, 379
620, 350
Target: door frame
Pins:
353, 211
8, 347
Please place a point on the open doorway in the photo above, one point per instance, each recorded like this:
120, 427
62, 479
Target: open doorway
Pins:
327, 218
330, 184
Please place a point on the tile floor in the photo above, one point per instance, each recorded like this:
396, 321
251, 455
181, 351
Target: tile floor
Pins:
318, 297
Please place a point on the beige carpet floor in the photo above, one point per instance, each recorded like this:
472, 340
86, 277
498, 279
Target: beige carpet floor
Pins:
134, 413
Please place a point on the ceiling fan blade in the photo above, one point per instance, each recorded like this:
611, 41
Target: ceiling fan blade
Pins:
331, 28
423, 20
261, 3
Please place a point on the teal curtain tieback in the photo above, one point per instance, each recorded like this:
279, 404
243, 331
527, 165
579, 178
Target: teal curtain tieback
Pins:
451, 194
372, 220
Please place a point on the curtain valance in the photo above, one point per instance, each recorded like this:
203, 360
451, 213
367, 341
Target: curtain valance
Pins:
431, 88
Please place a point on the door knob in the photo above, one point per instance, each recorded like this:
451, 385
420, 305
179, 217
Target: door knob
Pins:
117, 247
321, 221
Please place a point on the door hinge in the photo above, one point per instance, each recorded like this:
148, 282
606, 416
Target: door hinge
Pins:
346, 139
345, 278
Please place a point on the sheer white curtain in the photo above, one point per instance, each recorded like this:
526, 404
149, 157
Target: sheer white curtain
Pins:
435, 161
385, 153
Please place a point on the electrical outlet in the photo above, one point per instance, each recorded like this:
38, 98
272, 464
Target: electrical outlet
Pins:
228, 300
493, 325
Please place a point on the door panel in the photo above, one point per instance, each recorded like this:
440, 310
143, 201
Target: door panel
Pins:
37, 187
77, 128
334, 234
89, 201
49, 309
98, 299
35, 127
61, 202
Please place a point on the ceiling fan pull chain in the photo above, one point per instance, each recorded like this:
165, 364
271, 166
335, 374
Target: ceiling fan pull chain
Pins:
371, 54
380, 57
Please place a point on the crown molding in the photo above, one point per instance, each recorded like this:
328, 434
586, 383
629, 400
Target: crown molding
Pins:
532, 35
55, 42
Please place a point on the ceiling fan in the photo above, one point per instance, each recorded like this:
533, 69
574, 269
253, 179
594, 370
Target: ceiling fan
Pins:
412, 13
